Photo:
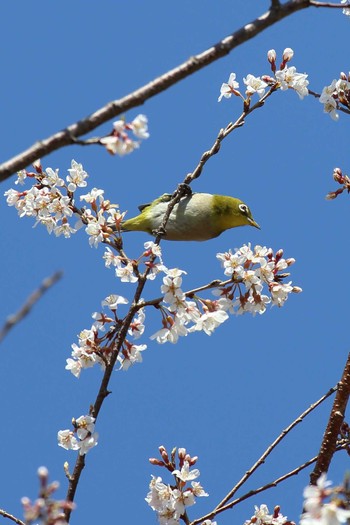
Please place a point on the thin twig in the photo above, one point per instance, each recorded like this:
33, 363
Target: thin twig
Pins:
339, 108
254, 492
11, 517
223, 133
273, 445
69, 135
14, 319
336, 418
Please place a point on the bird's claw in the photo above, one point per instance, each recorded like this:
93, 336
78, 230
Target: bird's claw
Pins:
160, 232
184, 189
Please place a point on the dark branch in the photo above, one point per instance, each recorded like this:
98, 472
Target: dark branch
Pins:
69, 135
336, 418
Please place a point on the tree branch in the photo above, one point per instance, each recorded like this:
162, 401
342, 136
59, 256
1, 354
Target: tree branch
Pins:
273, 445
11, 517
336, 418
254, 492
69, 135
14, 319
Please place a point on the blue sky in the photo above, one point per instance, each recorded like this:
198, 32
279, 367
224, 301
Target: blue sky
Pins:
224, 397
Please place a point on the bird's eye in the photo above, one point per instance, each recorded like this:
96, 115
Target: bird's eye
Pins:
244, 209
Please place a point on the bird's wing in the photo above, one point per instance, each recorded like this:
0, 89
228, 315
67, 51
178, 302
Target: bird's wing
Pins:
163, 198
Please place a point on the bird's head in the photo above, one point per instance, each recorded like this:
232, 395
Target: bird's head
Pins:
232, 212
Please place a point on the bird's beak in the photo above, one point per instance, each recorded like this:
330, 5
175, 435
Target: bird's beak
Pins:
255, 224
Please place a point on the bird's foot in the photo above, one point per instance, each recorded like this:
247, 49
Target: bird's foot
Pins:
184, 189
160, 232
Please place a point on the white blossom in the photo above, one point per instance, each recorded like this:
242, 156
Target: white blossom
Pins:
228, 88
255, 85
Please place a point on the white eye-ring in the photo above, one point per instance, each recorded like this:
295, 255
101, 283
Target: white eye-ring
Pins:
244, 208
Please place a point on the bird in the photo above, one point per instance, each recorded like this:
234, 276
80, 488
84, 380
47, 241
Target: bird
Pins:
197, 217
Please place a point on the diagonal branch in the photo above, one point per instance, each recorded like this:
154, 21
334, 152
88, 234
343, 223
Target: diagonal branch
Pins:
11, 517
336, 418
273, 445
14, 319
69, 135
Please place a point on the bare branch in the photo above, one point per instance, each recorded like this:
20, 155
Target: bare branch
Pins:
273, 445
336, 418
11, 517
254, 492
14, 319
69, 135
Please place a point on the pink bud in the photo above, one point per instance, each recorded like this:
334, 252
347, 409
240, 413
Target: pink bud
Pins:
279, 254
338, 175
43, 473
163, 453
287, 54
268, 79
334, 194
37, 166
271, 56
193, 460
181, 452
157, 462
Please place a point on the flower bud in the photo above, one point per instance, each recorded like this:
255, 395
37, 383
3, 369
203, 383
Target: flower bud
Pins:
338, 175
193, 460
279, 254
334, 194
271, 56
164, 453
269, 80
181, 452
287, 54
43, 473
37, 166
297, 289
157, 462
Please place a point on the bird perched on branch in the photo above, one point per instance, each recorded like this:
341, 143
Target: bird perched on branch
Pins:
197, 217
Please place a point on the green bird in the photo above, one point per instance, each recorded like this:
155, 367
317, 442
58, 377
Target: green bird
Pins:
197, 217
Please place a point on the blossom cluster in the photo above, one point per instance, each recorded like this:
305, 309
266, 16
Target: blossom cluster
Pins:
119, 142
284, 78
96, 344
83, 436
262, 516
51, 202
341, 179
46, 509
250, 271
336, 96
170, 501
125, 268
324, 505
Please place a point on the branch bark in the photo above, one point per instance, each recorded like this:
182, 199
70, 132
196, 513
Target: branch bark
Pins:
111, 110
336, 418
